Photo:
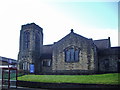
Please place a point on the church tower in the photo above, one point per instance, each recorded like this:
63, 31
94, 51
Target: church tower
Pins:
31, 43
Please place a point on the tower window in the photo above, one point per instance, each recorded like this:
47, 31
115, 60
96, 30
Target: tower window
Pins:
72, 55
37, 41
25, 66
26, 39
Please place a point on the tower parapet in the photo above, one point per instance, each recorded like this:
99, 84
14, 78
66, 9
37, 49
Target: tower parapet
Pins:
31, 26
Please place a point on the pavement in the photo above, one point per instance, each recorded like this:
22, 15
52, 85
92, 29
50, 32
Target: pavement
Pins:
13, 87
24, 88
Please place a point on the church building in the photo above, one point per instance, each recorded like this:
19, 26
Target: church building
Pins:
73, 54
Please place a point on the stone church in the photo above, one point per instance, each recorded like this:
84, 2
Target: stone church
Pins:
73, 54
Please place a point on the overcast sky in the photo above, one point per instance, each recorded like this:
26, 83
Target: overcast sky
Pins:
96, 20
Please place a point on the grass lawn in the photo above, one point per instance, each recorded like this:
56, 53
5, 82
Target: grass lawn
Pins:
89, 79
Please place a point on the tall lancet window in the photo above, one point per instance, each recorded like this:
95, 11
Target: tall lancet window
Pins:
76, 53
72, 55
26, 40
37, 41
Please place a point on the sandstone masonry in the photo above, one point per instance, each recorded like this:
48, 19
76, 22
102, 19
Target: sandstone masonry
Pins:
73, 54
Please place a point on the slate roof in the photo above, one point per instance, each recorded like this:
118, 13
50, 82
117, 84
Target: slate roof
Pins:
46, 56
110, 51
103, 43
71, 33
47, 52
47, 49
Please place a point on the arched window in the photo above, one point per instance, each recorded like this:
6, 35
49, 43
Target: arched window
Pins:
67, 55
25, 66
72, 55
76, 55
37, 41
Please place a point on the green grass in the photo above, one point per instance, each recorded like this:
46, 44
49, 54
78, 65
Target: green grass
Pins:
89, 79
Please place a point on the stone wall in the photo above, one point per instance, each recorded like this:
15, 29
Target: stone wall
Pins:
86, 51
111, 55
46, 69
31, 43
92, 58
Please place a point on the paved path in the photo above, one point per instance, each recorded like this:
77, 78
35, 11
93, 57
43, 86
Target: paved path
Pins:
25, 88
13, 87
